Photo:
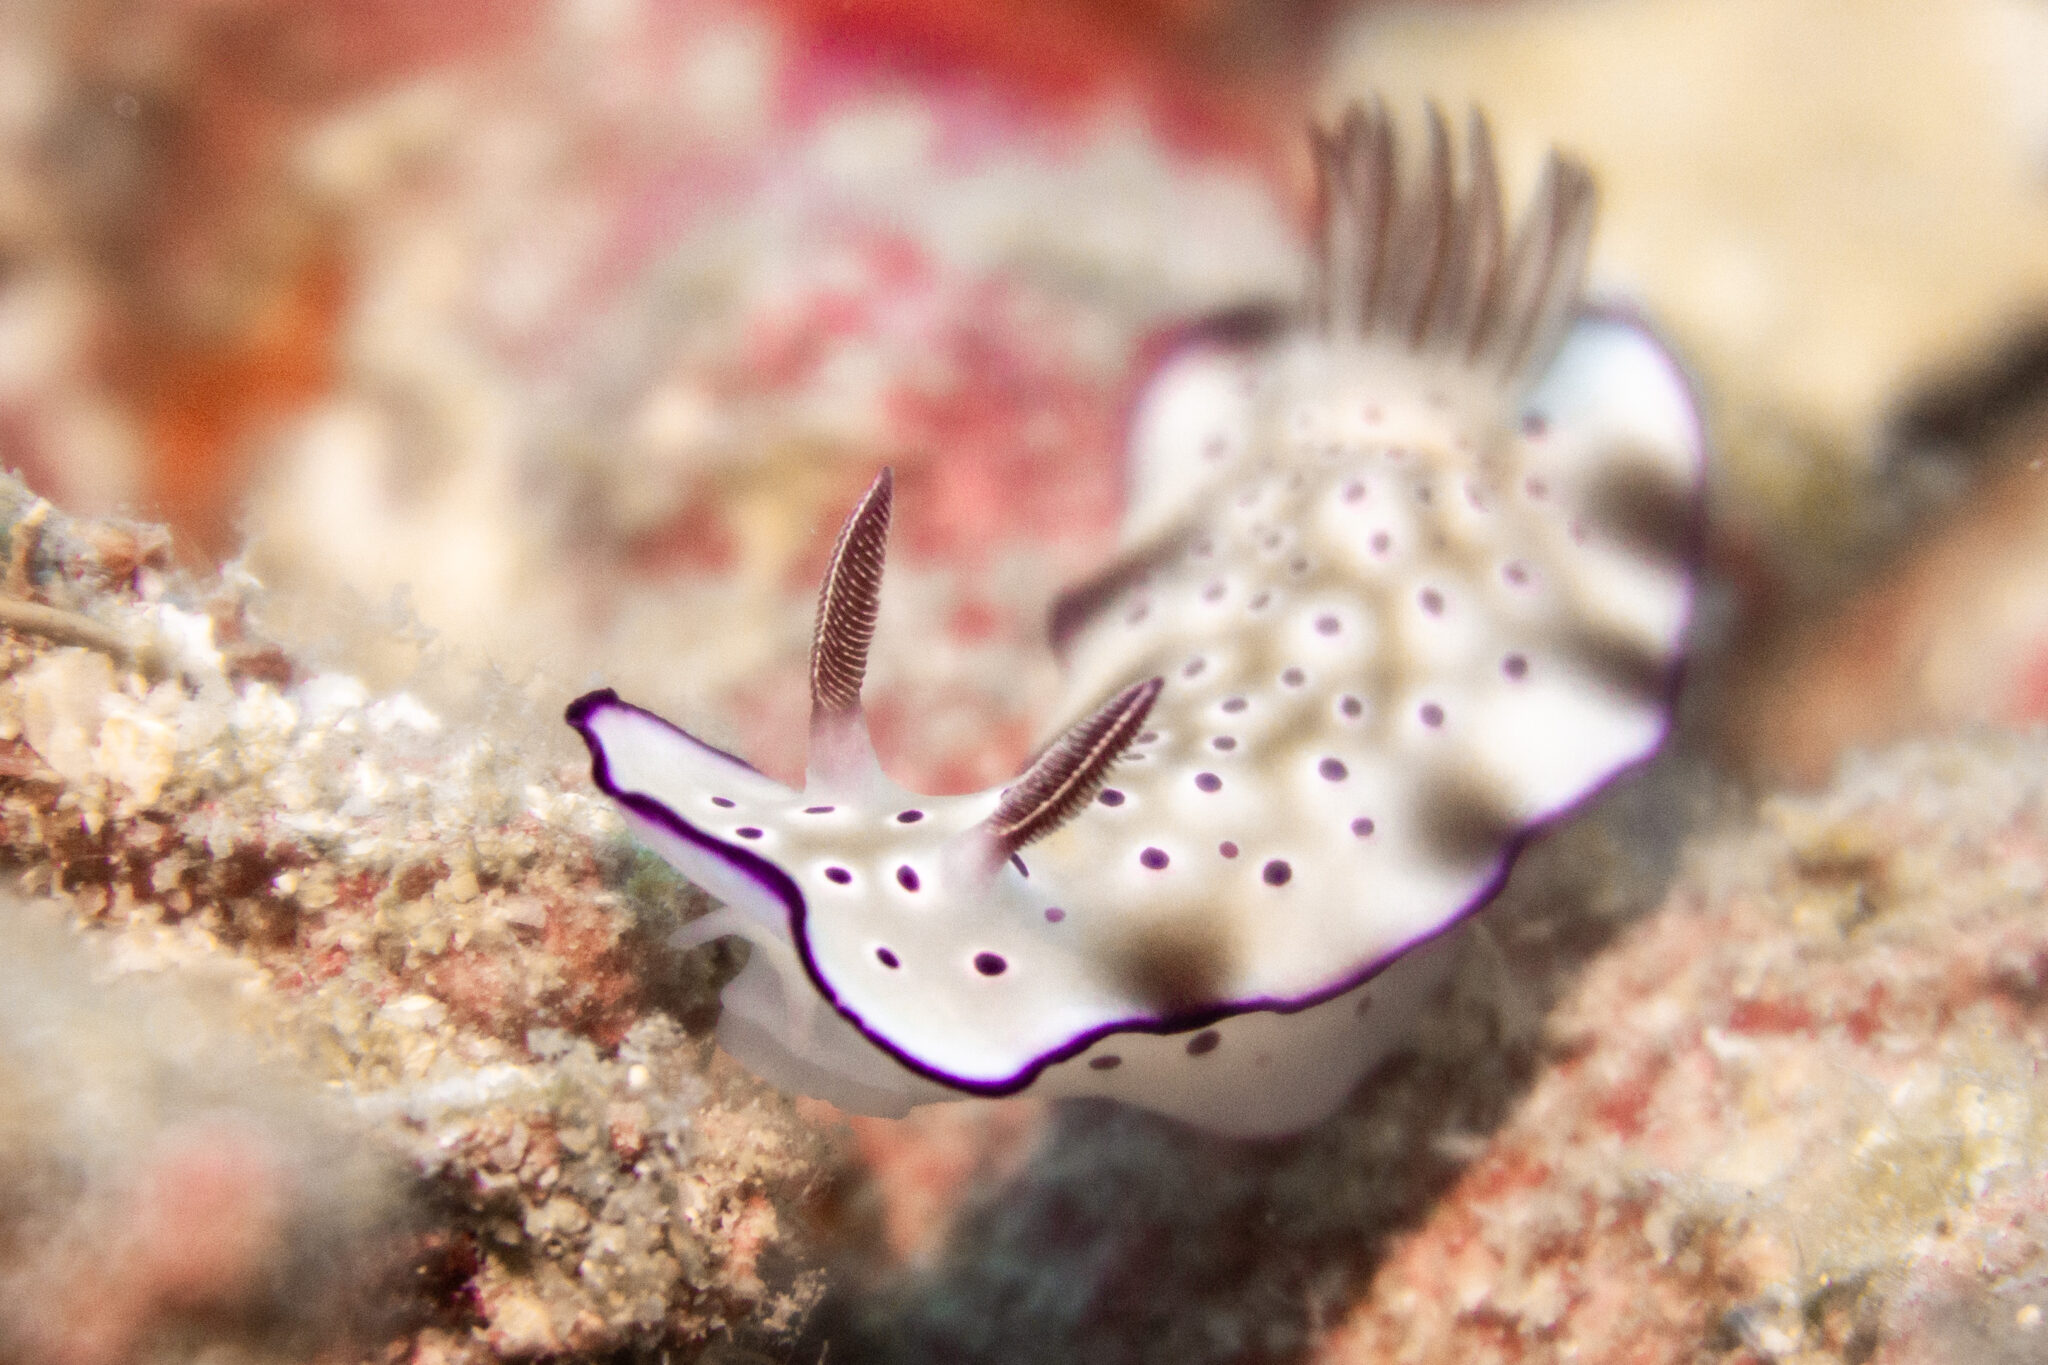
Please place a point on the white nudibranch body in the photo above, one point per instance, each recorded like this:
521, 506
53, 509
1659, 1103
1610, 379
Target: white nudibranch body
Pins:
1405, 581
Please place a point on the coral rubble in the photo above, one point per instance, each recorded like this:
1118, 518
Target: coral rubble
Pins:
452, 963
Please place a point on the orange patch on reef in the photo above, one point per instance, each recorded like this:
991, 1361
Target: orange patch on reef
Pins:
974, 621
224, 289
699, 538
1501, 1173
923, 1165
2029, 703
358, 890
371, 42
600, 998
202, 406
332, 962
1623, 1107
482, 991
1864, 1021
1185, 61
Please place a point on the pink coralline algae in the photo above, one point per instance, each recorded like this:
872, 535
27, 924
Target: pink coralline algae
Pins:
1796, 1115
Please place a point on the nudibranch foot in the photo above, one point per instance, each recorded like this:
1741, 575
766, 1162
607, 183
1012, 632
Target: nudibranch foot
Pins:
1406, 580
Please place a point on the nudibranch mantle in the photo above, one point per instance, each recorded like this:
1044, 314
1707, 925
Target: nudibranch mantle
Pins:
1403, 584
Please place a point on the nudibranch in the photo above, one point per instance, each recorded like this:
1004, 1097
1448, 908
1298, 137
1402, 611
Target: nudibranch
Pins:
1407, 577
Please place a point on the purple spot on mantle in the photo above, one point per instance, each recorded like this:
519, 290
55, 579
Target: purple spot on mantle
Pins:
1204, 1043
1515, 666
1108, 1062
1053, 914
1194, 667
906, 877
1354, 492
1111, 797
1534, 425
722, 802
1381, 542
1227, 848
1018, 863
839, 875
1515, 572
747, 832
1208, 782
1432, 601
1432, 714
1233, 704
819, 810
909, 817
1350, 706
1154, 858
1223, 742
990, 964
1332, 770
1362, 826
1327, 625
1293, 677
1259, 600
886, 958
1276, 873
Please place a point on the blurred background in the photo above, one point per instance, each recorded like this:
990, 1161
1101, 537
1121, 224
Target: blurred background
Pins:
552, 339
562, 331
